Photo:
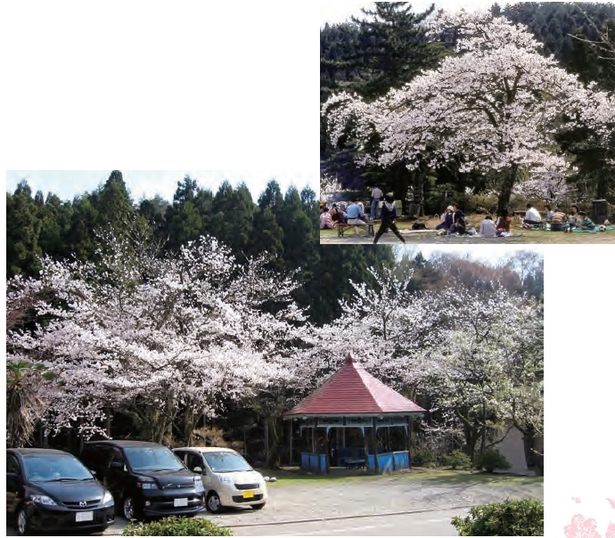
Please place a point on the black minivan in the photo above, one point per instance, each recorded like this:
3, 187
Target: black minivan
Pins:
52, 491
146, 479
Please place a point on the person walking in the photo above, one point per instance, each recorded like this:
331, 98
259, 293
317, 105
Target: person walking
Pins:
389, 214
376, 197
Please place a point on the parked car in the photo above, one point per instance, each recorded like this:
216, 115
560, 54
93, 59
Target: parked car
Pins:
146, 479
51, 490
228, 478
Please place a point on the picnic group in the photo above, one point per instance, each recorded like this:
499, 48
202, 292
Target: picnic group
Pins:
382, 206
454, 221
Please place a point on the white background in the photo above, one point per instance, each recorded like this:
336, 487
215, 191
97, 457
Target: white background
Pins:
184, 85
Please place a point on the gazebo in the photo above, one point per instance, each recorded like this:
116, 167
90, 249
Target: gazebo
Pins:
353, 398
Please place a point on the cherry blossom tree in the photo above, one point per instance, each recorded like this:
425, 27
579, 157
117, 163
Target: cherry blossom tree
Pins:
153, 337
472, 355
493, 106
328, 187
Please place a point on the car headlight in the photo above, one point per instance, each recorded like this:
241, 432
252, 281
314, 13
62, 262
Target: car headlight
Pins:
147, 485
198, 485
43, 499
224, 478
107, 498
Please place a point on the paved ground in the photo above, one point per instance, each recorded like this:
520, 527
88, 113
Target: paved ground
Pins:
377, 506
386, 505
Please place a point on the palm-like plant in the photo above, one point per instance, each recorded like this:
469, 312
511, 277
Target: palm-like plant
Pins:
23, 404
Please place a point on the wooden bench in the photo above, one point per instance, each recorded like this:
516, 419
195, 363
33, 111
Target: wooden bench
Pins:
342, 227
355, 463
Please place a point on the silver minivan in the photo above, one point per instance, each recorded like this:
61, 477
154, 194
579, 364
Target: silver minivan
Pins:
228, 478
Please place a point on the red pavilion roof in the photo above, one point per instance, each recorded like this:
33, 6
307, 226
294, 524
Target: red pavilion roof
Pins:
351, 391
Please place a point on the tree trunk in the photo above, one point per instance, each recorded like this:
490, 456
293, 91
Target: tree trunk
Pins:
266, 428
506, 190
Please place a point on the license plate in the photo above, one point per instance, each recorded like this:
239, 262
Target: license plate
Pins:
180, 502
84, 516
248, 494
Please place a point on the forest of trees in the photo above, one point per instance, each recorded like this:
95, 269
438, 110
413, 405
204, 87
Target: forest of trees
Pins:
157, 319
381, 51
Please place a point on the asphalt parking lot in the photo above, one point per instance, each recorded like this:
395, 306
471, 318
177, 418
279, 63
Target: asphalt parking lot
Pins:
383, 505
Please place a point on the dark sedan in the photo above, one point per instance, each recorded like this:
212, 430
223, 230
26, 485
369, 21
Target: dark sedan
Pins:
52, 491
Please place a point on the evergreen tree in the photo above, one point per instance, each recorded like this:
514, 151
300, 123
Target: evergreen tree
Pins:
392, 47
115, 207
300, 234
272, 197
80, 238
267, 237
23, 227
232, 217
184, 220
55, 225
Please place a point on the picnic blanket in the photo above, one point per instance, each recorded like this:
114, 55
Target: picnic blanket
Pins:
476, 236
594, 231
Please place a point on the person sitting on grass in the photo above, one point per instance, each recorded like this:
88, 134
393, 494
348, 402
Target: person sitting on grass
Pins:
549, 214
558, 221
388, 216
502, 225
487, 227
532, 216
326, 222
459, 226
573, 218
446, 220
355, 216
586, 223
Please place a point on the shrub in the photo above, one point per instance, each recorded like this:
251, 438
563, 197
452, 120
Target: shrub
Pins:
423, 458
492, 460
524, 517
458, 460
176, 526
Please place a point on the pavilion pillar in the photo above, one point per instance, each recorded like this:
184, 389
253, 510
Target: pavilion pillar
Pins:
326, 450
290, 442
313, 441
375, 445
409, 440
364, 430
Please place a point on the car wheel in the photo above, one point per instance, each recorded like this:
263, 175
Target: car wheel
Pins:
22, 525
129, 508
258, 506
213, 503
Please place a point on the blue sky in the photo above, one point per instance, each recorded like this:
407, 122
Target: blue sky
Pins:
341, 11
147, 183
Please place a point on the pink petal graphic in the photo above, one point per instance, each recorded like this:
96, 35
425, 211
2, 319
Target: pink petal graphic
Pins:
581, 528
576, 500
610, 532
612, 502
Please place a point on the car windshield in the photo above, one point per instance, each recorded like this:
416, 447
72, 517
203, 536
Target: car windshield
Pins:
226, 462
54, 467
157, 458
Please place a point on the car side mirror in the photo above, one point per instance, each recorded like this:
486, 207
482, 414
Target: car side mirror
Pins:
197, 470
117, 465
12, 480
93, 472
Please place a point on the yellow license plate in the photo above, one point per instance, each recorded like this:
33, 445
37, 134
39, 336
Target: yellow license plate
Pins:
248, 494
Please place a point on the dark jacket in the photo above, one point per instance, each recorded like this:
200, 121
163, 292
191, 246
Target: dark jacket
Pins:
389, 212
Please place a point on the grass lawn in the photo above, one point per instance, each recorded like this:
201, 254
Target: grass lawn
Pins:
524, 237
294, 475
